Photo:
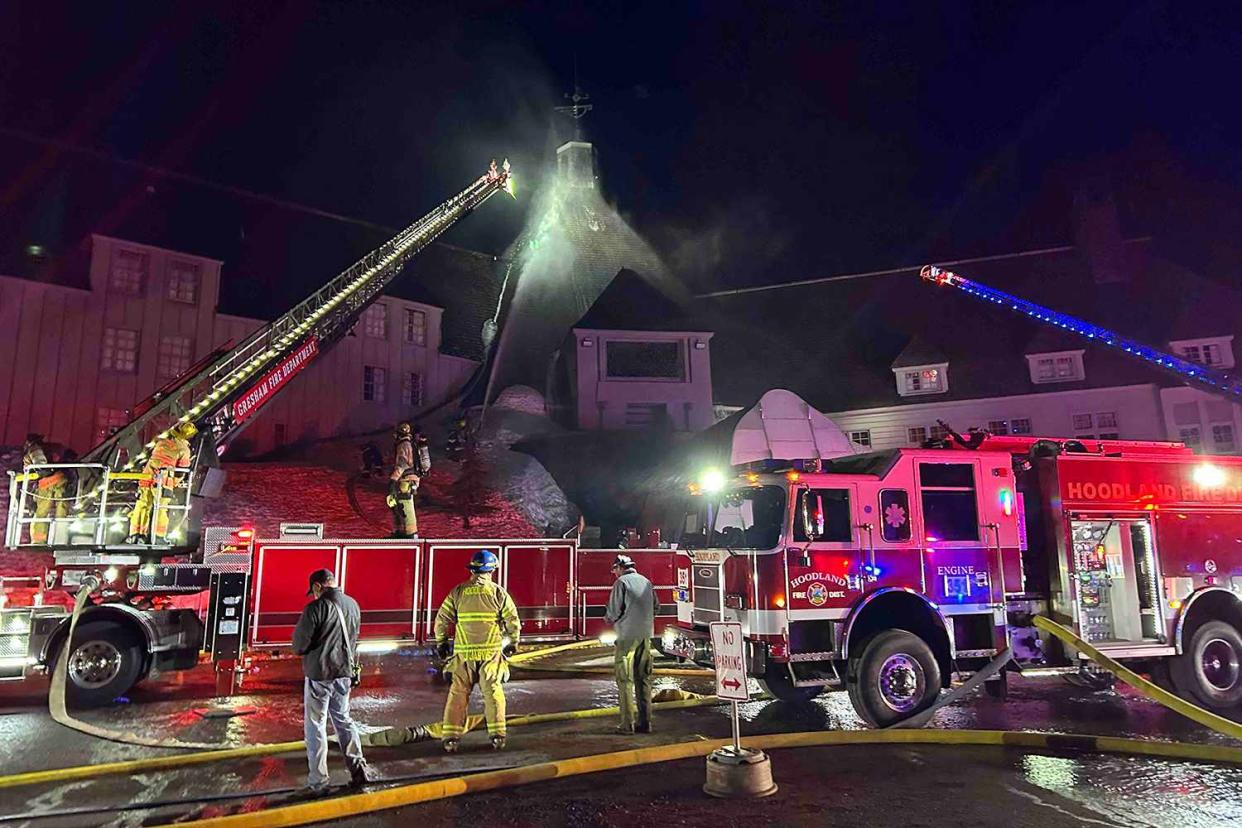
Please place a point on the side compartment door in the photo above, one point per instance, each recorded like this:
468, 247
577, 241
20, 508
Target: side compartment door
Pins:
540, 578
446, 568
382, 578
280, 586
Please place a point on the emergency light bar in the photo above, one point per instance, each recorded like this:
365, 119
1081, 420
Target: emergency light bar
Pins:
1207, 378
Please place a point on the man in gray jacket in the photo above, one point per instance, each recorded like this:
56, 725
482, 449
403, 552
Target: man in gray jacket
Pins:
631, 611
326, 637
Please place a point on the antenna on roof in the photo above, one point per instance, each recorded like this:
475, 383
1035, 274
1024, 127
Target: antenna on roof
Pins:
579, 105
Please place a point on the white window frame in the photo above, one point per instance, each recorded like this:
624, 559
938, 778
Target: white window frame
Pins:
412, 389
415, 334
175, 356
129, 281
916, 435
375, 321
1218, 445
1194, 350
374, 384
183, 279
912, 380
1184, 435
1056, 366
998, 427
861, 437
117, 357
1021, 426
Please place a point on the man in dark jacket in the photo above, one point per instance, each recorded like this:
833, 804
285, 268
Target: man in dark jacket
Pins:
326, 637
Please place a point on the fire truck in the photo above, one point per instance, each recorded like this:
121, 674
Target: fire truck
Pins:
886, 573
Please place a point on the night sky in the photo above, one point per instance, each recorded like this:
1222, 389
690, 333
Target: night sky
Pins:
750, 143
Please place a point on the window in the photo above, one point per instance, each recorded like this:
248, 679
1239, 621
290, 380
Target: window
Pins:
415, 327
927, 380
895, 512
645, 360
1190, 436
861, 438
749, 519
374, 384
1222, 437
1216, 352
375, 321
916, 436
120, 350
948, 495
1062, 367
109, 421
998, 427
939, 432
826, 512
183, 282
1082, 421
129, 271
174, 356
1106, 419
1020, 425
412, 390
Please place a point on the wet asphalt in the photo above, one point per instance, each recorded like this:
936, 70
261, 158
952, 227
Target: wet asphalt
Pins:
856, 785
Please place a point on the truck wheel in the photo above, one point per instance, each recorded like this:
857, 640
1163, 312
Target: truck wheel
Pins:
105, 662
895, 677
1209, 670
777, 683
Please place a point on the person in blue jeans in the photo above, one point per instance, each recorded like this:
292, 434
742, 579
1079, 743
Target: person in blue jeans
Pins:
326, 636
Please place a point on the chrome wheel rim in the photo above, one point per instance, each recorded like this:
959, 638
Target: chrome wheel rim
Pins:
1220, 665
94, 664
901, 682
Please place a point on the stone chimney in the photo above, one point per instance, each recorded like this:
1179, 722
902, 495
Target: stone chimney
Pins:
1097, 233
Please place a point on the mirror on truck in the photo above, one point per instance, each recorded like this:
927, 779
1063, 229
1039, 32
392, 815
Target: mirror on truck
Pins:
807, 510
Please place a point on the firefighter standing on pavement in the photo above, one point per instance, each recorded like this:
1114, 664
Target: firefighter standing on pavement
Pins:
49, 494
171, 452
411, 464
487, 633
631, 611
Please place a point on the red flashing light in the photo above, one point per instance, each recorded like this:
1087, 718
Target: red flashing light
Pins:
793, 477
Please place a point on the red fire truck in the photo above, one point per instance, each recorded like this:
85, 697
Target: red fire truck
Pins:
885, 573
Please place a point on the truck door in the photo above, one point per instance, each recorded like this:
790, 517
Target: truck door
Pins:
830, 572
962, 563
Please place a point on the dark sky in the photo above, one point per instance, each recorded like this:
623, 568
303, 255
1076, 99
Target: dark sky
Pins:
750, 142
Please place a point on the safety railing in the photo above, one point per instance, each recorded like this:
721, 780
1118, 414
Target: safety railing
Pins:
49, 507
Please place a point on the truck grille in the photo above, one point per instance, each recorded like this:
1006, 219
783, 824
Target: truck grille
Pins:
708, 595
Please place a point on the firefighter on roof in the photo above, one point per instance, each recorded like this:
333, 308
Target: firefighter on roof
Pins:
412, 463
487, 633
168, 453
49, 493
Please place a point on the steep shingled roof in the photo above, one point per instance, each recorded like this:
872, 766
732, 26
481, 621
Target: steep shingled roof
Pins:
632, 303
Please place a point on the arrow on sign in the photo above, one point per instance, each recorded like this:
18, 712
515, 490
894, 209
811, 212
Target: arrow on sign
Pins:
731, 683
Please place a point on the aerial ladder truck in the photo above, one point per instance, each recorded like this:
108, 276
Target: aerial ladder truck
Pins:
133, 629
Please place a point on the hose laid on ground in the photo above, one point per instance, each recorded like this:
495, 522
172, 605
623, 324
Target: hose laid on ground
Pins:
373, 739
1148, 689
372, 801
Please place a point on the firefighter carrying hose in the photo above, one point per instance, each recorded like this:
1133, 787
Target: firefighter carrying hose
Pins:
412, 463
171, 452
487, 634
49, 494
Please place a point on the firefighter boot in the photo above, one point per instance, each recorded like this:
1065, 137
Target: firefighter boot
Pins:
498, 741
450, 745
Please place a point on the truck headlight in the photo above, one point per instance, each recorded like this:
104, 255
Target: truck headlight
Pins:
668, 638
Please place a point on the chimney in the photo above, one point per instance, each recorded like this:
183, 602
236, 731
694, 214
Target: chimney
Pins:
575, 164
1097, 233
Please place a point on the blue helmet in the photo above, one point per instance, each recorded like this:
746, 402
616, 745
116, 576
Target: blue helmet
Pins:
484, 561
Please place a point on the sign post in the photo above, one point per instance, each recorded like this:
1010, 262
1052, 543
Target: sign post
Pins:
734, 771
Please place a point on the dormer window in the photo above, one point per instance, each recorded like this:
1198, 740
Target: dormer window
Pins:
1214, 352
922, 379
1061, 366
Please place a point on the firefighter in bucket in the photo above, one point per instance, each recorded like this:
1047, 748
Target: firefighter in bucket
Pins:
50, 488
168, 453
487, 629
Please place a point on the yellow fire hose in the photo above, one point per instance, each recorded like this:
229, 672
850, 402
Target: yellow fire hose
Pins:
370, 802
1151, 691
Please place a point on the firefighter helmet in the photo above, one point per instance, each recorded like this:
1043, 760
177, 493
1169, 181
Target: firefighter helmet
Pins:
484, 561
403, 432
186, 431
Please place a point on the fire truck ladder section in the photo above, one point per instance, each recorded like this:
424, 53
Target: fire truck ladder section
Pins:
1208, 379
217, 397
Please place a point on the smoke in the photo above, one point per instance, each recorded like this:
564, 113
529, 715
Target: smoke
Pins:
740, 238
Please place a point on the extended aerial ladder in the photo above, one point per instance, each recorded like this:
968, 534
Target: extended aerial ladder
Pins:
219, 397
1207, 378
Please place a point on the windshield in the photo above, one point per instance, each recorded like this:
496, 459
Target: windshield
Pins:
749, 518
